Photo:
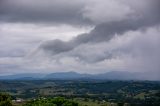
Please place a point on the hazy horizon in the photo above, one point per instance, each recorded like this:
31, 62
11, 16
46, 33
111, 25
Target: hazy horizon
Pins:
83, 36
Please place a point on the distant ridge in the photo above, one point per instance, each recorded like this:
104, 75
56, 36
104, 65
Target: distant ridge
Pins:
24, 76
66, 75
113, 75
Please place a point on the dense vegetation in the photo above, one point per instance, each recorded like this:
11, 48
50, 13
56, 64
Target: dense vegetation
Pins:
58, 101
83, 92
5, 100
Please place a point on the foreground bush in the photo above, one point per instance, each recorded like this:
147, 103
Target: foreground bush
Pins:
5, 99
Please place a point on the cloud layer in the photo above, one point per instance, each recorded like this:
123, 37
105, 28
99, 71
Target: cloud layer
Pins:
125, 36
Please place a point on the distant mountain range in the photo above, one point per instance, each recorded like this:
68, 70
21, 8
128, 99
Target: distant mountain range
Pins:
25, 76
114, 75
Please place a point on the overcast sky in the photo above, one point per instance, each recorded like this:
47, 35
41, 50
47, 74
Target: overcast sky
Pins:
85, 36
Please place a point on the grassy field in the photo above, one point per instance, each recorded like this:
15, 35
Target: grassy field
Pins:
89, 102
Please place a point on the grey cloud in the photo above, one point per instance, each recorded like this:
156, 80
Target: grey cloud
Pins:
135, 47
48, 11
101, 33
133, 51
12, 53
91, 53
74, 11
56, 46
106, 31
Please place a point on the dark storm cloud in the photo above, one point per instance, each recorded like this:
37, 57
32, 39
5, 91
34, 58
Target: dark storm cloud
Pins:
37, 11
57, 46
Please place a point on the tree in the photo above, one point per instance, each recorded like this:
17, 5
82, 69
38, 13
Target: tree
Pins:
5, 99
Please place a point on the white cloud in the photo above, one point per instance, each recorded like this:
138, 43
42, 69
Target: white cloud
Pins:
103, 11
106, 11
